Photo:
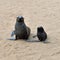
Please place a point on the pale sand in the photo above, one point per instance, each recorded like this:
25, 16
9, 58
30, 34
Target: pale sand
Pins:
44, 13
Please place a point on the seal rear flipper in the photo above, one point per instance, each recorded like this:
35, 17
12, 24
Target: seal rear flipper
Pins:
28, 31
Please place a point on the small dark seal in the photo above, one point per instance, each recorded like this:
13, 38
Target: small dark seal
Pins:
21, 30
41, 34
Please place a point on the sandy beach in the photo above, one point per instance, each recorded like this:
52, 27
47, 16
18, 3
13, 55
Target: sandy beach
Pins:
44, 13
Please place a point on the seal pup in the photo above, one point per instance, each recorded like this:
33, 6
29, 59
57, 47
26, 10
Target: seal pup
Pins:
41, 34
21, 30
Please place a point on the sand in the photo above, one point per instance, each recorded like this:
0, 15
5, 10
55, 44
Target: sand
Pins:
44, 13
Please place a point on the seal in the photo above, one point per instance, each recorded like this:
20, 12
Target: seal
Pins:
41, 34
21, 30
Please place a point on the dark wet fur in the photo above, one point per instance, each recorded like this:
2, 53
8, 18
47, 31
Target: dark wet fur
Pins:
41, 34
21, 30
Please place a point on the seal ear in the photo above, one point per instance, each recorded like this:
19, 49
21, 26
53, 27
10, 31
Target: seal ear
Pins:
17, 19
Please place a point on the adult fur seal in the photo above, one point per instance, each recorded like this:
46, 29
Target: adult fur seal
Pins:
21, 30
41, 34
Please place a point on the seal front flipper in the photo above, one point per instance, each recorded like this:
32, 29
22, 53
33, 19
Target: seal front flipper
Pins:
13, 33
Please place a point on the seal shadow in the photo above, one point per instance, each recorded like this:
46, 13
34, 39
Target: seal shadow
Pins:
11, 38
31, 39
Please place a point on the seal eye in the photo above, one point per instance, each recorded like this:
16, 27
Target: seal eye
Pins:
20, 19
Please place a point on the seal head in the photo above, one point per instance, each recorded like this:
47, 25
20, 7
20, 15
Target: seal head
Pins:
20, 19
